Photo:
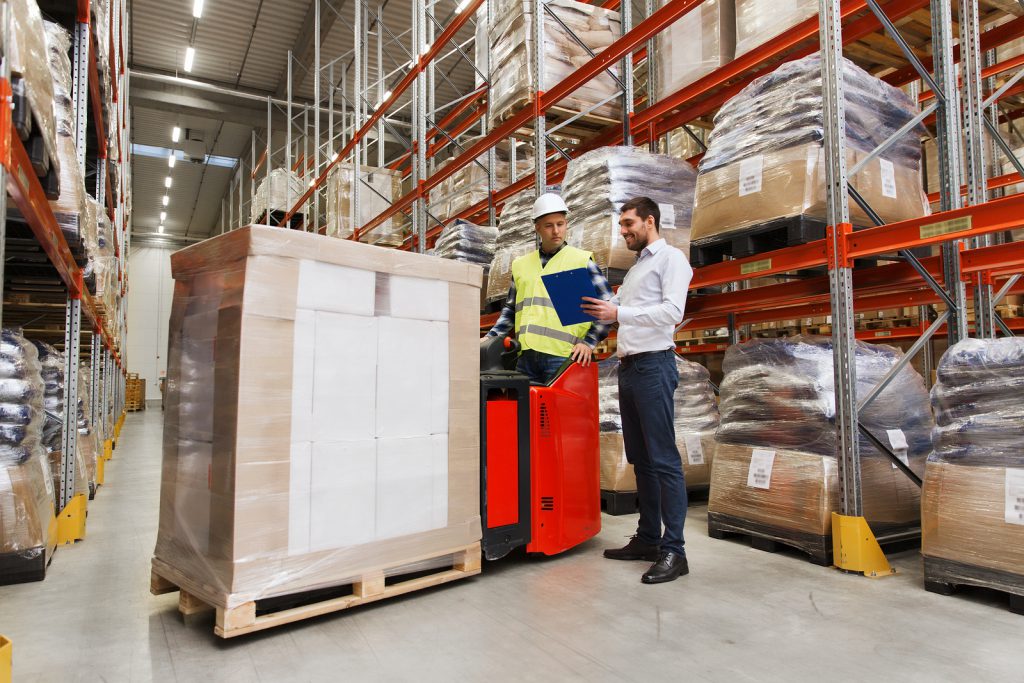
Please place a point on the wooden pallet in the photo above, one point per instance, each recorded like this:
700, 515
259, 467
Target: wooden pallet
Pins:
886, 323
945, 577
818, 549
1010, 311
769, 236
277, 611
617, 503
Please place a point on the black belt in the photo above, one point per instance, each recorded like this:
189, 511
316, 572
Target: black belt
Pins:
633, 357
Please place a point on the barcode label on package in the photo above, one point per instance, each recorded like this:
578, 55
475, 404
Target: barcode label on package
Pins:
751, 175
1014, 496
759, 476
668, 215
694, 449
888, 178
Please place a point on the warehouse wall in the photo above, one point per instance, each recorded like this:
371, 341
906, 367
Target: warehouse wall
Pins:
149, 307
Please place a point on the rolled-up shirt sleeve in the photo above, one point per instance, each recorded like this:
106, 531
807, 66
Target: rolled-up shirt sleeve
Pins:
675, 281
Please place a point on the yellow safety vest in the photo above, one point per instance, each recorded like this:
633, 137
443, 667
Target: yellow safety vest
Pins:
537, 323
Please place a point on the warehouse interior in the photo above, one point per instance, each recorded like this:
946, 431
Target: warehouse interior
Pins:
259, 246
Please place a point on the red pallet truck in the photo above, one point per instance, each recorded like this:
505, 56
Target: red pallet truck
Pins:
540, 474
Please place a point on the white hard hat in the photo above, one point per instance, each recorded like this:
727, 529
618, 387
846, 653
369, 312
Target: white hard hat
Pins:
548, 203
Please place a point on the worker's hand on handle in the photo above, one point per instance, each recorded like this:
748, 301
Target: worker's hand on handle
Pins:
581, 353
604, 311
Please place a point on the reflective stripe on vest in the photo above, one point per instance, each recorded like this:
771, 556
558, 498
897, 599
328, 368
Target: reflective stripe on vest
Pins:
537, 323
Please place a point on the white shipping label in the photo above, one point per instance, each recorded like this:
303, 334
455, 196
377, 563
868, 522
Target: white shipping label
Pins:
751, 175
668, 216
897, 439
694, 449
888, 178
759, 475
1014, 496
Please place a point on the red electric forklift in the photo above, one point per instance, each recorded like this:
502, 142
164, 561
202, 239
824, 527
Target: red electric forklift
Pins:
540, 473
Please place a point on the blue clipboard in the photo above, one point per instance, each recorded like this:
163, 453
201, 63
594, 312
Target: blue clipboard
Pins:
566, 289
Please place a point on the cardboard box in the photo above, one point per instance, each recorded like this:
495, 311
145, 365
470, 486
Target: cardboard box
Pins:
703, 40
309, 436
791, 182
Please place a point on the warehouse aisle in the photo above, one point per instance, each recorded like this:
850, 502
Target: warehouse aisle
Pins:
741, 615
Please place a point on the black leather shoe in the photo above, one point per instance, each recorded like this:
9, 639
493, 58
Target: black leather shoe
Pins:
634, 550
669, 567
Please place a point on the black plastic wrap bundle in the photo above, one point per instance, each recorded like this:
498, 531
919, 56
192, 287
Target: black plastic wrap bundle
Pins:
784, 109
979, 415
463, 241
51, 362
780, 393
21, 400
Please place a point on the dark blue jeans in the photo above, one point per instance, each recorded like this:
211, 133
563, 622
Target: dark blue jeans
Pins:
539, 367
647, 383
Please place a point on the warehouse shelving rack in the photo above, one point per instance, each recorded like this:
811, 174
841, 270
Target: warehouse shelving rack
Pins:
25, 193
970, 223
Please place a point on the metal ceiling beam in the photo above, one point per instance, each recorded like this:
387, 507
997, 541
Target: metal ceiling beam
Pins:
303, 49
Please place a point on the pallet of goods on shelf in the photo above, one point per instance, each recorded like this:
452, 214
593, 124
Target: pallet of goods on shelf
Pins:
379, 187
28, 525
276, 485
276, 194
775, 477
761, 184
134, 392
759, 21
89, 444
32, 87
513, 74
598, 183
696, 418
516, 237
973, 497
51, 368
103, 262
468, 186
703, 40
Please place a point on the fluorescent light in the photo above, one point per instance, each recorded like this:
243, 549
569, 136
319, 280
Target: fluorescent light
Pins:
171, 158
190, 56
197, 9
160, 229
167, 182
167, 200
175, 134
163, 216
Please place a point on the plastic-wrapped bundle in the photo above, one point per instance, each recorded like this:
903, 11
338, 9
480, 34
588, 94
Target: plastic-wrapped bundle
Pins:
27, 522
27, 53
599, 182
758, 21
463, 241
469, 186
973, 496
90, 446
279, 192
511, 40
385, 186
51, 367
777, 437
516, 237
682, 146
104, 262
696, 417
765, 158
695, 45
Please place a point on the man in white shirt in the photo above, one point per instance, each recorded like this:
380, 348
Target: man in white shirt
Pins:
648, 307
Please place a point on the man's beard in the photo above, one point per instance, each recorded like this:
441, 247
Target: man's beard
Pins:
637, 245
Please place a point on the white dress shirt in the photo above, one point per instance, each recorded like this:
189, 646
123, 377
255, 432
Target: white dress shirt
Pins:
652, 299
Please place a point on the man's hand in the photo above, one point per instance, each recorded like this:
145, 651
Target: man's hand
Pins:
605, 311
581, 353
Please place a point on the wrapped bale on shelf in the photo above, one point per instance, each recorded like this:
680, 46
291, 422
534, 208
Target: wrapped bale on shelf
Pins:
275, 484
89, 444
463, 241
512, 73
758, 21
468, 186
700, 42
696, 417
765, 159
104, 261
599, 182
775, 474
379, 188
277, 192
51, 364
28, 527
516, 237
972, 504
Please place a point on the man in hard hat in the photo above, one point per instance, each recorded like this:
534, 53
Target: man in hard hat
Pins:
545, 342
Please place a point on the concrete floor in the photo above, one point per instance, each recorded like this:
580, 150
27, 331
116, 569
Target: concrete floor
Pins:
741, 614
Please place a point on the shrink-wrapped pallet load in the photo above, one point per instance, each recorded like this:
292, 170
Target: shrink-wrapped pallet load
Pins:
512, 69
758, 21
306, 442
468, 186
973, 497
100, 243
89, 444
463, 241
51, 366
27, 53
516, 237
697, 44
277, 192
696, 417
28, 527
379, 187
599, 182
775, 473
765, 159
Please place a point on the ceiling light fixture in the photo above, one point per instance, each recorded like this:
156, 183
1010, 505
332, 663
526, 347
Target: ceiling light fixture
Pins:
160, 229
190, 56
163, 216
166, 200
167, 182
197, 9
170, 160
175, 134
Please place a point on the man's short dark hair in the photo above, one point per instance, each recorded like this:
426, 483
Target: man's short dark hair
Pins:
644, 207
